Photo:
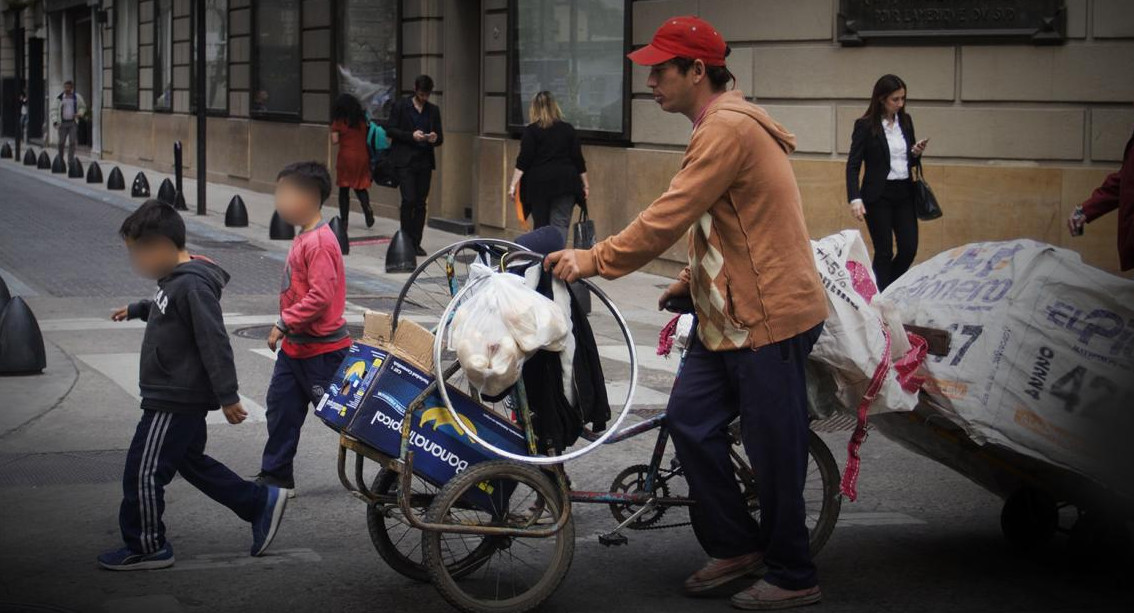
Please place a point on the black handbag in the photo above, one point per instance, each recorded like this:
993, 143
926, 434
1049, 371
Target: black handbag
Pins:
925, 203
382, 169
584, 231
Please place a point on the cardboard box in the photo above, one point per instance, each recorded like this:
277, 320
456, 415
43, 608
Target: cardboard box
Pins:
355, 375
442, 447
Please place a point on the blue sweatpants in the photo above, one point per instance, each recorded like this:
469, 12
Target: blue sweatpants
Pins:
166, 444
296, 384
767, 389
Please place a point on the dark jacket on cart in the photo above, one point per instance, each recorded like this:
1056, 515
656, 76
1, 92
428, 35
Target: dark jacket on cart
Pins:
557, 421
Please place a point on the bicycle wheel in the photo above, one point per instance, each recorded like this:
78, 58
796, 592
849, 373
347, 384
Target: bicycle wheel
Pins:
399, 544
821, 497
521, 572
436, 280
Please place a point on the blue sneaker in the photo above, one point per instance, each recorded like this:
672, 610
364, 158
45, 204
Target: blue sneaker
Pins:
265, 525
125, 559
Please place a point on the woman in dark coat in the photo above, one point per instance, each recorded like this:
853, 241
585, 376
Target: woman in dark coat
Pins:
352, 165
884, 139
551, 165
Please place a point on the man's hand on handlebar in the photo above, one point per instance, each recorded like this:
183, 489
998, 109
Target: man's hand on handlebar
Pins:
677, 289
564, 265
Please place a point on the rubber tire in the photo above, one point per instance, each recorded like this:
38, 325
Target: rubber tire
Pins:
447, 584
832, 499
1029, 518
385, 482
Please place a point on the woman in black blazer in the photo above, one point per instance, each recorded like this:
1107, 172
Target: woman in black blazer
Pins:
884, 139
414, 127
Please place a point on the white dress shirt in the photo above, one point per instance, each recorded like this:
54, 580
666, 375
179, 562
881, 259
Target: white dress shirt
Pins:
899, 155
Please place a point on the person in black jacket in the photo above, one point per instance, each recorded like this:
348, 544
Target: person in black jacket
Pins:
414, 127
551, 165
186, 371
884, 139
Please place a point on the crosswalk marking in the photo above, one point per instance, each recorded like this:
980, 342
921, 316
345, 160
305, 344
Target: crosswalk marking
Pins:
847, 520
647, 357
122, 369
218, 561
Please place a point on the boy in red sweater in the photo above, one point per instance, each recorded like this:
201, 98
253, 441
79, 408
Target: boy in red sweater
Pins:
311, 325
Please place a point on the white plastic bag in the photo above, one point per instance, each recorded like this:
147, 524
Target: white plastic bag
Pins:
500, 326
863, 334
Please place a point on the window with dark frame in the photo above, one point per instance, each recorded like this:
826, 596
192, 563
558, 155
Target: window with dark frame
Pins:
125, 89
277, 90
576, 49
368, 53
216, 59
163, 55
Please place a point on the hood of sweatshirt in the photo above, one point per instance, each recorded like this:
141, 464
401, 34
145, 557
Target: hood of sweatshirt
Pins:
206, 270
733, 101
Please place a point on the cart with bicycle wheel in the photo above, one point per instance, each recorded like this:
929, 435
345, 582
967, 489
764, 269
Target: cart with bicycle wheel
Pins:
499, 535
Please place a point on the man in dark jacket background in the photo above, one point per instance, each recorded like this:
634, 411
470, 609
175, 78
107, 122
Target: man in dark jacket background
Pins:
1116, 192
414, 127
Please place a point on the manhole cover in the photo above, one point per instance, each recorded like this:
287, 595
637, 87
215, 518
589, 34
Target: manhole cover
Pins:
260, 333
64, 468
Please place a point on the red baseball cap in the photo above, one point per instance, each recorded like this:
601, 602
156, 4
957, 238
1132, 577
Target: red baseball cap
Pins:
690, 37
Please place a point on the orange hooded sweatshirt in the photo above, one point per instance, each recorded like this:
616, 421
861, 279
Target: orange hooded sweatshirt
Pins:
751, 270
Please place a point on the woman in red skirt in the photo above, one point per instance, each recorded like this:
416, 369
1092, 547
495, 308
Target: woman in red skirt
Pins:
352, 166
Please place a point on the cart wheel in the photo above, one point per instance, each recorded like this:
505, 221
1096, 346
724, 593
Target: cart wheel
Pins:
399, 544
521, 572
1029, 518
1098, 539
821, 497
433, 284
631, 481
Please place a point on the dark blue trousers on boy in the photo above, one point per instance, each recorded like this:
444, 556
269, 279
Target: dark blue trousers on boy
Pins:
166, 444
296, 384
766, 387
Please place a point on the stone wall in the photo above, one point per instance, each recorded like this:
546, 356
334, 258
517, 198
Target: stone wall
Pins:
1019, 134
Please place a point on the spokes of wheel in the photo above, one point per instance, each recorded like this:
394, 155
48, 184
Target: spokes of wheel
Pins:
821, 498
399, 543
521, 572
438, 278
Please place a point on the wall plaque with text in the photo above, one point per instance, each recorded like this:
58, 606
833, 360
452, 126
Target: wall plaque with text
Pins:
1010, 21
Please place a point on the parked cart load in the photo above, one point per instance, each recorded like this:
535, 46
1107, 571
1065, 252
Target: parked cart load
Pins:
1042, 359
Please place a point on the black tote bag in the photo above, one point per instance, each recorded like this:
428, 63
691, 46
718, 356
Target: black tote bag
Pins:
925, 202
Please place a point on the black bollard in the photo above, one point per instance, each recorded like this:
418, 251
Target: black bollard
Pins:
74, 168
141, 186
400, 255
5, 295
236, 215
21, 342
115, 181
5, 151
58, 166
179, 202
29, 157
166, 193
44, 162
94, 173
280, 230
337, 227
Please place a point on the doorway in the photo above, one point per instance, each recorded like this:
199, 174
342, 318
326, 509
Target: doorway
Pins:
82, 62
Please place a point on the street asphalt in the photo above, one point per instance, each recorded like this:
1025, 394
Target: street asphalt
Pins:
920, 537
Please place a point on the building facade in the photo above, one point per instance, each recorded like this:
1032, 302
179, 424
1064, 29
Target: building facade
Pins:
1020, 131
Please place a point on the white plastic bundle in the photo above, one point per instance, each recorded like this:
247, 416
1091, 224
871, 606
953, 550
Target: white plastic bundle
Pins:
499, 326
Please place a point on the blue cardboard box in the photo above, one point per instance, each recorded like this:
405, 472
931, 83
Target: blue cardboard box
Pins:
347, 388
442, 447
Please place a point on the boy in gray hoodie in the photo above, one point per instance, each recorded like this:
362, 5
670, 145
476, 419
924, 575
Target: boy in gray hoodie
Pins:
186, 371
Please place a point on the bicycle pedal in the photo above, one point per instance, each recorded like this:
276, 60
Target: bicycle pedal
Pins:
613, 540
